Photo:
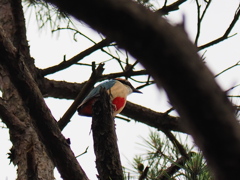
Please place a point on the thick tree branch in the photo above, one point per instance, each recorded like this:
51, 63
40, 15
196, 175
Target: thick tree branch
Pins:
173, 61
105, 140
44, 122
69, 90
161, 121
10, 119
59, 89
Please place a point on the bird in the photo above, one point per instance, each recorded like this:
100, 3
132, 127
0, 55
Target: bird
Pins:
117, 88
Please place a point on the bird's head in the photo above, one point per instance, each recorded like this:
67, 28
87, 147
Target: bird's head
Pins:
127, 83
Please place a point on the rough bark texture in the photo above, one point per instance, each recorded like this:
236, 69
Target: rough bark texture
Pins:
44, 124
28, 153
105, 140
172, 59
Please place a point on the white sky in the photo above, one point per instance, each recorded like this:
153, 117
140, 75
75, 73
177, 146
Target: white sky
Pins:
49, 50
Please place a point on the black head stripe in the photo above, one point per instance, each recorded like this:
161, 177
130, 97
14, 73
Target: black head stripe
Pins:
125, 82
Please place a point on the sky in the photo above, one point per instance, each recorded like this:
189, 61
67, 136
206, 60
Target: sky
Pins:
48, 49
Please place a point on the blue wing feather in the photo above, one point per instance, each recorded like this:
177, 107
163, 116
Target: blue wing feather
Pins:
95, 91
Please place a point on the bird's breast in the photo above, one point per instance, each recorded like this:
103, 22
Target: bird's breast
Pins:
119, 103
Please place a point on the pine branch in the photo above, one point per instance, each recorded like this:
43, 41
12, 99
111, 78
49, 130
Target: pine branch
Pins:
175, 167
176, 143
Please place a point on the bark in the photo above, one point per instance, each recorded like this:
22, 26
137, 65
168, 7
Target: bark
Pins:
67, 90
172, 59
44, 124
27, 152
105, 140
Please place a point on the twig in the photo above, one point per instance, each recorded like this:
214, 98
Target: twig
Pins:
200, 18
76, 32
122, 118
75, 59
237, 64
87, 87
125, 74
172, 7
227, 32
232, 88
169, 110
83, 152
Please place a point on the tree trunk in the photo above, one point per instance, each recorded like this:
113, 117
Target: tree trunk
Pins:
27, 152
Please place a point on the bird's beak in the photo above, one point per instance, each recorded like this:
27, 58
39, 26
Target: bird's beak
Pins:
136, 91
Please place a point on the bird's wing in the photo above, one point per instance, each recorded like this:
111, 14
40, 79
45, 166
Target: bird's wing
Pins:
95, 91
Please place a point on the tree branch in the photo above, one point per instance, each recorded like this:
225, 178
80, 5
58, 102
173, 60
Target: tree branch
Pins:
69, 90
227, 32
10, 119
75, 59
43, 121
177, 144
200, 18
105, 139
203, 106
82, 94
175, 167
172, 7
161, 121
